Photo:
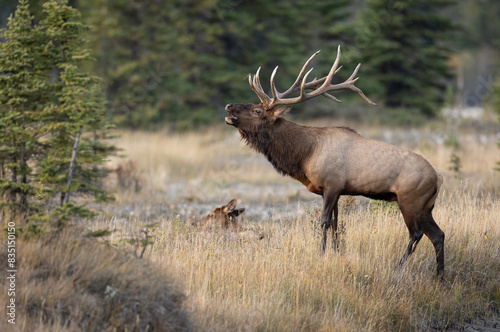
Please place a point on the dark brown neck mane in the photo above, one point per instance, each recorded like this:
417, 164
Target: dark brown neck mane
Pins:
285, 144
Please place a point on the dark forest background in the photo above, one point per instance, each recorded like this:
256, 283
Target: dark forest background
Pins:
177, 63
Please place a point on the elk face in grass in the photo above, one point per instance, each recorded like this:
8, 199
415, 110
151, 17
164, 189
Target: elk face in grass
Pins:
224, 216
335, 161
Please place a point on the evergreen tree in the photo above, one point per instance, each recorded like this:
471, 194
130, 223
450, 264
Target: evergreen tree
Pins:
77, 108
22, 90
9, 6
177, 62
480, 20
53, 113
134, 42
404, 50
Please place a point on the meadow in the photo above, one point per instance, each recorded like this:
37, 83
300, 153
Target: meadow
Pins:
273, 277
281, 283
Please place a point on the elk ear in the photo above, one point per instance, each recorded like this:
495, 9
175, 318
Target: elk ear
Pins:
236, 212
282, 111
230, 206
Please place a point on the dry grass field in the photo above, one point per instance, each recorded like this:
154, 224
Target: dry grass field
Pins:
243, 282
235, 282
68, 281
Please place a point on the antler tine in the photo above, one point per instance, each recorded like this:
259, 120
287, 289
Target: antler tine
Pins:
358, 90
303, 85
256, 77
338, 69
333, 70
355, 88
257, 87
354, 72
329, 96
253, 84
299, 77
275, 93
256, 81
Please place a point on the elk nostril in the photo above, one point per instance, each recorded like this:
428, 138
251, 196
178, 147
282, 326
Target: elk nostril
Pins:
228, 106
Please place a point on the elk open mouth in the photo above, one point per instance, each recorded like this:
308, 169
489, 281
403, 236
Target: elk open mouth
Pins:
231, 119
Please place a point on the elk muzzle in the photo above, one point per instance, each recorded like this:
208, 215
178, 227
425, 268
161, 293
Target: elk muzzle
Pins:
231, 119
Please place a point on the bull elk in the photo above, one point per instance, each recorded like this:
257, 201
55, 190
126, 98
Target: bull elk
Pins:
335, 161
224, 216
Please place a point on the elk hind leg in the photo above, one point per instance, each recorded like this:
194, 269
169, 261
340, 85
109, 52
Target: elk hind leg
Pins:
436, 235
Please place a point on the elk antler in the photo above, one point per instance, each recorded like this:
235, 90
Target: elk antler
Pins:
319, 86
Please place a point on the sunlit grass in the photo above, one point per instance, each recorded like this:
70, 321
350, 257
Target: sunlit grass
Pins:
217, 155
236, 282
68, 281
283, 283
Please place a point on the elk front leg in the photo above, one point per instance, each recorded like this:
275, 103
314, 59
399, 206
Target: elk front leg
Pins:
410, 215
330, 201
335, 234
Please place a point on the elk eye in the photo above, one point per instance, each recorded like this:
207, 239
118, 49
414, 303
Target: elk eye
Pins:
257, 112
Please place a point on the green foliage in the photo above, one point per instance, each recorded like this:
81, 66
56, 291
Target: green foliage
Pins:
32, 230
451, 141
180, 62
480, 22
22, 90
79, 104
384, 207
404, 46
455, 164
45, 100
100, 233
29, 231
62, 214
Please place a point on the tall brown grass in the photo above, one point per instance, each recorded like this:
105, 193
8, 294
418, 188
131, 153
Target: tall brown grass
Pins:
281, 283
67, 281
218, 155
235, 282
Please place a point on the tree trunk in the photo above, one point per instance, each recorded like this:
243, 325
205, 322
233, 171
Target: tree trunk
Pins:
13, 194
24, 177
72, 165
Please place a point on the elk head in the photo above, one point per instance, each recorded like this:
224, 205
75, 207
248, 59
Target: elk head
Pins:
247, 117
223, 216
